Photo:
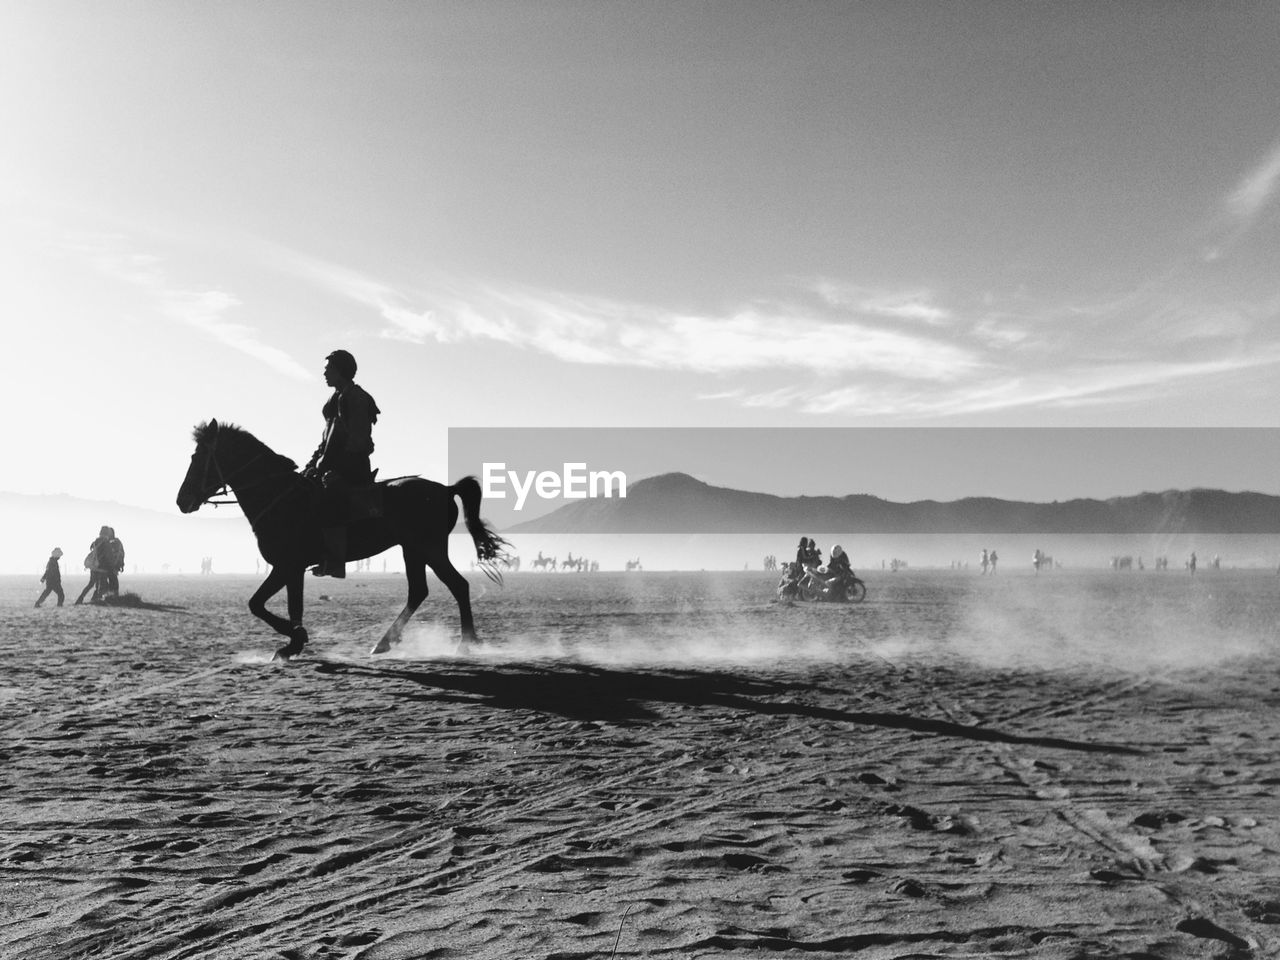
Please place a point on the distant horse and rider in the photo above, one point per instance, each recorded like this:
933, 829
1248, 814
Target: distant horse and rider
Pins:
281, 506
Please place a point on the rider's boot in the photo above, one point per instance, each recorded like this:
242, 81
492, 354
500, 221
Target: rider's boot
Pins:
334, 563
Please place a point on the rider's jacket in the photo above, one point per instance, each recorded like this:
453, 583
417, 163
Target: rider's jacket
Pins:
838, 566
349, 416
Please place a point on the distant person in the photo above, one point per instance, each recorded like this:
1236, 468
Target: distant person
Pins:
994, 559
111, 561
52, 578
342, 459
93, 561
1191, 562
985, 560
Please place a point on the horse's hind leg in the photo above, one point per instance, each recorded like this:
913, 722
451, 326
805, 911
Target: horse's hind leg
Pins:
415, 571
461, 590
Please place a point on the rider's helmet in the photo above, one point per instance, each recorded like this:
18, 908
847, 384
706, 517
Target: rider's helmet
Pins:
343, 362
837, 551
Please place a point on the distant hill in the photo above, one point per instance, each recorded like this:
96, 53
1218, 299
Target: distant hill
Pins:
679, 503
30, 526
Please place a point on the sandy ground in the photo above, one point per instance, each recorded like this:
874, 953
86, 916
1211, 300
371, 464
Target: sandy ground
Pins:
646, 773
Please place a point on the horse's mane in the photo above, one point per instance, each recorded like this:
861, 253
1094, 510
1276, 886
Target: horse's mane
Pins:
209, 429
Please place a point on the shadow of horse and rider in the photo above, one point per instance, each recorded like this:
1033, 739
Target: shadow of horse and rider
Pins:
586, 692
287, 512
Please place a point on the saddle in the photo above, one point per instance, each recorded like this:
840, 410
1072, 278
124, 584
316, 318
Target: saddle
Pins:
367, 502
339, 501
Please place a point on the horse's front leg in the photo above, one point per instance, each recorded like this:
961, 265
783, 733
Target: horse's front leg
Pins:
292, 628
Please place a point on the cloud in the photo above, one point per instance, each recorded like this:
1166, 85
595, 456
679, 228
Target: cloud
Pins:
576, 329
1071, 387
1243, 206
1257, 187
202, 309
843, 349
889, 304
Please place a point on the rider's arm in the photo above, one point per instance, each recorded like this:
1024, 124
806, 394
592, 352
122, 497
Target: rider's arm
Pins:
314, 462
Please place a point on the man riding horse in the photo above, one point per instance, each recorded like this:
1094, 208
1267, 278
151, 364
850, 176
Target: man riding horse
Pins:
341, 462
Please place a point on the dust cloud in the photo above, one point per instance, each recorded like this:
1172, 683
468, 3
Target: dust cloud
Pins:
1148, 623
1158, 623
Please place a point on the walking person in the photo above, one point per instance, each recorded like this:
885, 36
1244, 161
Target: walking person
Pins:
52, 578
93, 562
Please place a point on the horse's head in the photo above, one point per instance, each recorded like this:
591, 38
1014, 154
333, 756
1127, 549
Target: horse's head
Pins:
204, 478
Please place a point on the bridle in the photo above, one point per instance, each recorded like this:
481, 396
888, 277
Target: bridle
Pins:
223, 485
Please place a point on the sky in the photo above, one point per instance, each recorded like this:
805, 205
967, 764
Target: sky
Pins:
720, 214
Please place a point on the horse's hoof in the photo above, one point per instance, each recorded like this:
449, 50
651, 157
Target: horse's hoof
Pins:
297, 640
383, 646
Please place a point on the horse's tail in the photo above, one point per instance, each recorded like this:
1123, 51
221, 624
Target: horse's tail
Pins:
490, 547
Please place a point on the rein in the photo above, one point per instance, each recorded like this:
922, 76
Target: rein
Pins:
224, 482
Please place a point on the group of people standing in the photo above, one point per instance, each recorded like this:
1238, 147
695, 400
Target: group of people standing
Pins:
104, 561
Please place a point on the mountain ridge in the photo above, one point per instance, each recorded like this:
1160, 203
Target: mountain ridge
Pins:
679, 503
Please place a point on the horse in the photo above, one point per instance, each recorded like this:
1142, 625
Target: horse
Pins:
634, 565
280, 505
541, 563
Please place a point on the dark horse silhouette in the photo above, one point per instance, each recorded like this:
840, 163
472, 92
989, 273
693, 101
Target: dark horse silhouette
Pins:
279, 503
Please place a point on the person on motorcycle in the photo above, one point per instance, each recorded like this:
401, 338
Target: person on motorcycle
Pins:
802, 552
813, 556
838, 567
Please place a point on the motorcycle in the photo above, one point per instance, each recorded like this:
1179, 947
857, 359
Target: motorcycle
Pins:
843, 589
812, 586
